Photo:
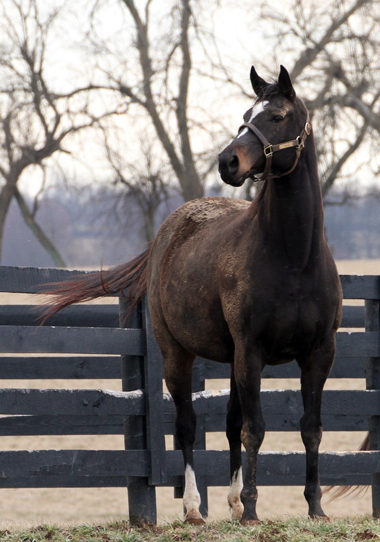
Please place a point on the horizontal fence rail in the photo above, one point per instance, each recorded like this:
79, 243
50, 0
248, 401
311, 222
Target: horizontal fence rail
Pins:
108, 468
92, 342
108, 316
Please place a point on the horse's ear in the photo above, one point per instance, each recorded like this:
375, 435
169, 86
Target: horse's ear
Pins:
258, 84
285, 84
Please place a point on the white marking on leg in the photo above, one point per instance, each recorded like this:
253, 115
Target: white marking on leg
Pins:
234, 501
191, 497
256, 110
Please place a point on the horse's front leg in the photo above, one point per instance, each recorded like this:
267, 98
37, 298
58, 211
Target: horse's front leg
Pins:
234, 425
248, 367
314, 372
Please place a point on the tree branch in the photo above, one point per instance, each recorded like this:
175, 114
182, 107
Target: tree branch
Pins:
310, 54
328, 182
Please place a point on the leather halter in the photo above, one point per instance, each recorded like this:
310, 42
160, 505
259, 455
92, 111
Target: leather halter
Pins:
269, 149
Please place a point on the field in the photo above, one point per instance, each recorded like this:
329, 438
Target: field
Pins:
291, 530
22, 508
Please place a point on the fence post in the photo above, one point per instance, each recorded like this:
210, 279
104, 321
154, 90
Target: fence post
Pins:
372, 323
141, 495
153, 376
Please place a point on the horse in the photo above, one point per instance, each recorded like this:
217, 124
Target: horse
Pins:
245, 283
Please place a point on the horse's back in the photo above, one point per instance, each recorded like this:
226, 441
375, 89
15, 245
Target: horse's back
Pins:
196, 215
198, 220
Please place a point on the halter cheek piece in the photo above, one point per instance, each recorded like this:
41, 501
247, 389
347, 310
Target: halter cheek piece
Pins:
269, 149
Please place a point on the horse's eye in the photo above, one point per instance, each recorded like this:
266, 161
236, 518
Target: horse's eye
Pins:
278, 118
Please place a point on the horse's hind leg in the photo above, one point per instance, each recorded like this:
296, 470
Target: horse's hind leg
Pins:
178, 365
234, 425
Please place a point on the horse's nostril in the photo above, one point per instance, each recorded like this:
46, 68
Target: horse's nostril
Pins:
233, 164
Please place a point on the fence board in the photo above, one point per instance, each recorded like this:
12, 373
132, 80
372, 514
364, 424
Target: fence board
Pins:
108, 316
360, 286
108, 367
77, 316
72, 340
74, 463
42, 481
73, 367
108, 402
71, 402
289, 402
120, 463
285, 480
215, 463
33, 280
61, 425
358, 344
28, 425
121, 481
344, 367
353, 316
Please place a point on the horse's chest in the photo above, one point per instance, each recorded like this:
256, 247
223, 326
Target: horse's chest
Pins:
295, 324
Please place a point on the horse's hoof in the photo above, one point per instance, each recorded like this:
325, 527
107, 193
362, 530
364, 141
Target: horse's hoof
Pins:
250, 522
236, 512
325, 519
195, 521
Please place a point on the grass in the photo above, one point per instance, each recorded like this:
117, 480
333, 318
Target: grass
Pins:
292, 530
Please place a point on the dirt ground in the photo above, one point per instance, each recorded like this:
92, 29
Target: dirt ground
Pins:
74, 506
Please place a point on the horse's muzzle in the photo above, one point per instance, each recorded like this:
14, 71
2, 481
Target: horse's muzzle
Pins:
229, 165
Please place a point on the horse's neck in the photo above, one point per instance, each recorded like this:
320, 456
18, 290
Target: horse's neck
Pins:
290, 213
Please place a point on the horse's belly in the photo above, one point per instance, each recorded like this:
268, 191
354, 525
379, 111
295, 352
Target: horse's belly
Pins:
202, 330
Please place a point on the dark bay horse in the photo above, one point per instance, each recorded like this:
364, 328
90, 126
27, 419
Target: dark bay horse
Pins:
250, 284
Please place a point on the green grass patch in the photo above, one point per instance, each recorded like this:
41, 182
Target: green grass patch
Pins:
292, 530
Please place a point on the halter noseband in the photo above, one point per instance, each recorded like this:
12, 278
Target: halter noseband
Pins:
269, 149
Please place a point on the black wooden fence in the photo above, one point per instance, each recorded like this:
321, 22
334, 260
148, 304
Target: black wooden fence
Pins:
90, 342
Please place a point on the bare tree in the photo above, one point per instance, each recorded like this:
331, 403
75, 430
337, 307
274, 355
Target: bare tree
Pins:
334, 49
35, 118
160, 67
146, 184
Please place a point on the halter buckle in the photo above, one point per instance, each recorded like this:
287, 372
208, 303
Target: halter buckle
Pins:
301, 144
268, 151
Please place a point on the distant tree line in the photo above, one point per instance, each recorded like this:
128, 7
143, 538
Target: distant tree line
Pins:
95, 230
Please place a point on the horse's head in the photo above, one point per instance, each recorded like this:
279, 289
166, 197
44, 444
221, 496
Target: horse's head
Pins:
277, 121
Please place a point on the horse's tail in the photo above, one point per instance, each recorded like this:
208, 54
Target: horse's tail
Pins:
131, 276
344, 491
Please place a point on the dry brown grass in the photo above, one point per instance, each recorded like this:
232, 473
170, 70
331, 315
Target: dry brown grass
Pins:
73, 506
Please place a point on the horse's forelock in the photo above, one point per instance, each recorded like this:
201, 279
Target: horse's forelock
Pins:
267, 91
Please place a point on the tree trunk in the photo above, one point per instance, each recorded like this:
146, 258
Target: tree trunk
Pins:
37, 230
6, 196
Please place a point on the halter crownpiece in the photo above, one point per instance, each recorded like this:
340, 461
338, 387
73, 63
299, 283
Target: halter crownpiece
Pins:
270, 149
